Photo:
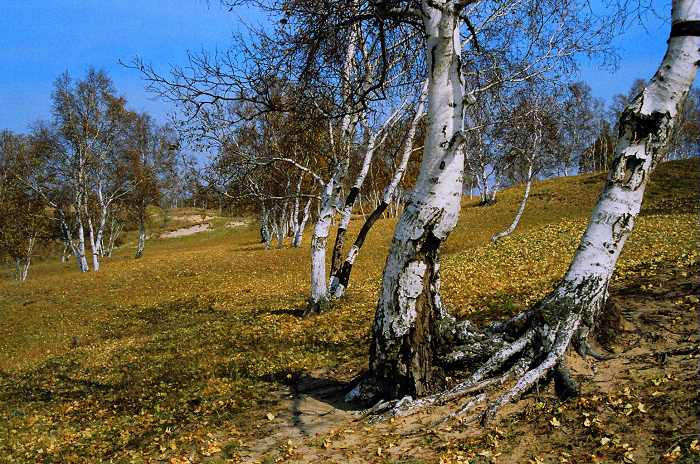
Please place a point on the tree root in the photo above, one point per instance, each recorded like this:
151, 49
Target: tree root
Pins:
548, 344
584, 348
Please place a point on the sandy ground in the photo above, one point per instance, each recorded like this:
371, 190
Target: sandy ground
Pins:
185, 231
236, 224
636, 407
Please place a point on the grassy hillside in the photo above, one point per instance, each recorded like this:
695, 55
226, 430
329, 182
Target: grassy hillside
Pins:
197, 351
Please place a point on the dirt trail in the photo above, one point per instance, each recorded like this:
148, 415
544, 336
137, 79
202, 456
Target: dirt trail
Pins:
637, 407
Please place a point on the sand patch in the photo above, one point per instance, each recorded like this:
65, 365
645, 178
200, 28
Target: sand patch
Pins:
185, 231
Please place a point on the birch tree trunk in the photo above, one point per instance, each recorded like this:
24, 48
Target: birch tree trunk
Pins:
93, 246
99, 239
319, 301
646, 126
294, 216
299, 234
142, 238
567, 315
521, 207
264, 218
80, 255
346, 214
22, 265
340, 284
402, 351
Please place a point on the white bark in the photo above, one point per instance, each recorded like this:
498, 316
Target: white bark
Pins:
521, 207
646, 126
319, 298
340, 283
93, 246
299, 233
319, 285
22, 264
401, 354
346, 212
80, 255
115, 230
141, 244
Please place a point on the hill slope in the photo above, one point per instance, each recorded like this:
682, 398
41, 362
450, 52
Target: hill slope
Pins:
197, 351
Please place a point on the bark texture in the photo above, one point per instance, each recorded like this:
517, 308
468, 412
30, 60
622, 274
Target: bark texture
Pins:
402, 350
142, 239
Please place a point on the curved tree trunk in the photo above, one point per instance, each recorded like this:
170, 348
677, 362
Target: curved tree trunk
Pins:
319, 299
346, 214
340, 283
402, 351
570, 312
521, 209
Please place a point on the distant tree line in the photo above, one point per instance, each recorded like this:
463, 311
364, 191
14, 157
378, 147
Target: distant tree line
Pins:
82, 177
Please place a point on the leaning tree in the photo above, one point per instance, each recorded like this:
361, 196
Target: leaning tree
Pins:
532, 345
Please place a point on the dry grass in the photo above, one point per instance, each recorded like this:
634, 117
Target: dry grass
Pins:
184, 352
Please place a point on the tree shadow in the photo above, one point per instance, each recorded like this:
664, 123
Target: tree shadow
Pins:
323, 388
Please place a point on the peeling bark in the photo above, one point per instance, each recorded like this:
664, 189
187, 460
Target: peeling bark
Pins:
402, 350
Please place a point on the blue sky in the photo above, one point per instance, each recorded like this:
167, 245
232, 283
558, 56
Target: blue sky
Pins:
40, 39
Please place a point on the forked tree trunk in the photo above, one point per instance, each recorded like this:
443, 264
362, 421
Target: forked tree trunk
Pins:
521, 208
402, 351
319, 300
346, 214
340, 284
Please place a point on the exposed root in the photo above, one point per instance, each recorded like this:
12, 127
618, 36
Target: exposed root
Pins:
561, 342
465, 408
519, 368
565, 386
497, 360
514, 324
407, 405
584, 348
